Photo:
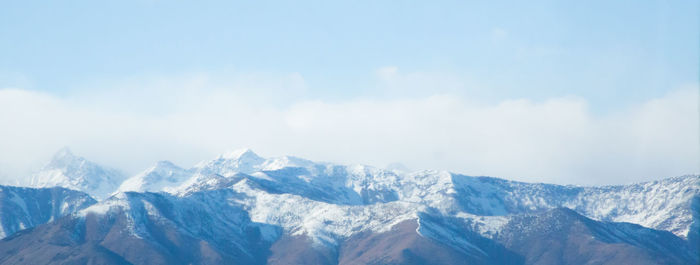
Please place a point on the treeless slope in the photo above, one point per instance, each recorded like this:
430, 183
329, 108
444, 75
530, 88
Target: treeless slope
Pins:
562, 236
403, 245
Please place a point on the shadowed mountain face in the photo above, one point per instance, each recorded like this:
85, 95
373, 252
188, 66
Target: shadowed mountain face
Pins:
694, 234
400, 245
22, 208
404, 244
562, 236
186, 233
299, 250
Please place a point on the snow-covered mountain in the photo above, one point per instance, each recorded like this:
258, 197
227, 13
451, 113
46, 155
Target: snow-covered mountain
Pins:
451, 194
77, 173
22, 208
240, 208
163, 176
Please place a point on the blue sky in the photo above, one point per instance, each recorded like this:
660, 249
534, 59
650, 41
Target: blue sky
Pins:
608, 52
150, 58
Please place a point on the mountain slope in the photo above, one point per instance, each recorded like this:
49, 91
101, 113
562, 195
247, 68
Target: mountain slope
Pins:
663, 204
146, 228
22, 208
562, 236
408, 243
77, 173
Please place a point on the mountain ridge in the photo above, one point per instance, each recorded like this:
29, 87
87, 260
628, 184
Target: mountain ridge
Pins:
335, 214
450, 192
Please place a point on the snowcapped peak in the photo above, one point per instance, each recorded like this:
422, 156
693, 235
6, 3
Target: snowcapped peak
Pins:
163, 167
230, 163
241, 154
74, 172
63, 158
160, 177
286, 161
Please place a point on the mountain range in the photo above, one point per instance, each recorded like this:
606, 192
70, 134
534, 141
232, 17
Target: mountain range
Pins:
240, 208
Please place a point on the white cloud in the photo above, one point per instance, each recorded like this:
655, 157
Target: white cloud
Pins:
195, 118
393, 83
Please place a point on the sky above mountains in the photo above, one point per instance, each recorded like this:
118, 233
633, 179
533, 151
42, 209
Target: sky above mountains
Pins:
587, 93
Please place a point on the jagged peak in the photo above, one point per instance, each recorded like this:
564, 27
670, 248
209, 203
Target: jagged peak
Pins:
241, 154
62, 158
75, 172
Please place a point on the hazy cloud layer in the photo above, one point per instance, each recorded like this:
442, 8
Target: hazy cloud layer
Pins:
195, 118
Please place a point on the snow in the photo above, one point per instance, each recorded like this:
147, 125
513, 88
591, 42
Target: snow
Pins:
663, 204
447, 236
28, 207
76, 173
487, 226
329, 202
161, 177
323, 222
116, 202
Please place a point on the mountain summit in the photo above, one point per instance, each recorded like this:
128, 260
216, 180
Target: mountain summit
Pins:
163, 176
74, 172
244, 154
237, 161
